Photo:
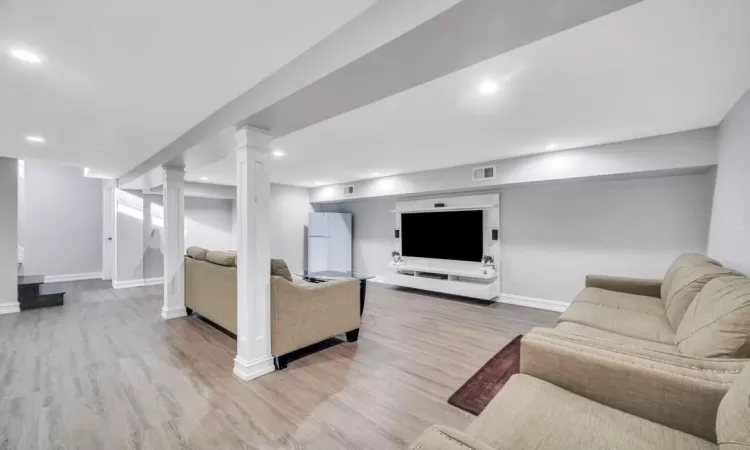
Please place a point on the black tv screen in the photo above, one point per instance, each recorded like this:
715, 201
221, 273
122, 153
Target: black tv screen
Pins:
454, 235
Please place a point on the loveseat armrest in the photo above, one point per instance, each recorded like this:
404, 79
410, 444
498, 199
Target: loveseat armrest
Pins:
444, 438
636, 286
674, 390
306, 313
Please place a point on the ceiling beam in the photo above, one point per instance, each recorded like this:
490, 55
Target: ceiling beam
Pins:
391, 47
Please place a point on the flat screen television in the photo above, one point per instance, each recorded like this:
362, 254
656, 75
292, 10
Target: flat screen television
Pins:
454, 235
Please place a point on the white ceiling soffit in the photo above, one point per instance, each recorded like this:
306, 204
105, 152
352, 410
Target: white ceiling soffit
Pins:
379, 54
658, 67
118, 81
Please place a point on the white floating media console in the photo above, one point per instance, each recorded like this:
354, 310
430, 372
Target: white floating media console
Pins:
464, 278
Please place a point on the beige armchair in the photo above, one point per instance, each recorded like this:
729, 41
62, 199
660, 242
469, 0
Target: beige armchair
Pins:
305, 313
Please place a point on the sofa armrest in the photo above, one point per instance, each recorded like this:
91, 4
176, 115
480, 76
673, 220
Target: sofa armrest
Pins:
306, 313
636, 286
445, 438
674, 390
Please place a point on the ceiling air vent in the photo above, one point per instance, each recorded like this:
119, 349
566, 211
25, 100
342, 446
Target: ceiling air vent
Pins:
483, 173
348, 190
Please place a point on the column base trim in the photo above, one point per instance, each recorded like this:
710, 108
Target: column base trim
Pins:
173, 313
250, 370
10, 308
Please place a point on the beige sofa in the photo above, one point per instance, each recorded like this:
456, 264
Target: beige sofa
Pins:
302, 313
657, 345
663, 353
530, 413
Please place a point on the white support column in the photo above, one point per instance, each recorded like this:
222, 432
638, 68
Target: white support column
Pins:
253, 255
9, 236
174, 243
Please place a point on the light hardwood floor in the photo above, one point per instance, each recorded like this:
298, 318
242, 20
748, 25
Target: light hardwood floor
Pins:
106, 372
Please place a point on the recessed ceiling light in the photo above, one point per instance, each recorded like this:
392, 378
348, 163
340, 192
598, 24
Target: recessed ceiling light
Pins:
35, 138
552, 146
278, 153
488, 87
204, 178
25, 56
376, 174
318, 183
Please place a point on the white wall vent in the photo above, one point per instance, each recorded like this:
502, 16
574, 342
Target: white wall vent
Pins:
348, 190
483, 173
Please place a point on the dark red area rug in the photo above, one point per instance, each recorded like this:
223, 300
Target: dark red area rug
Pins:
484, 385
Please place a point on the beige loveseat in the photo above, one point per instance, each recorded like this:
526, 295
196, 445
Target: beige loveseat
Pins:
302, 313
530, 413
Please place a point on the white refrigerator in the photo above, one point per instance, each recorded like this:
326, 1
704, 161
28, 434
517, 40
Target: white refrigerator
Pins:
329, 242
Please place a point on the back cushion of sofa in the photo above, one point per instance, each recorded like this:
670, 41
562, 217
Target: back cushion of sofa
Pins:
228, 259
684, 279
717, 323
197, 253
733, 420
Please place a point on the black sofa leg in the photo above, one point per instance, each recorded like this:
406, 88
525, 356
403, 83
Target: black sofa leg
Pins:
281, 362
352, 336
189, 311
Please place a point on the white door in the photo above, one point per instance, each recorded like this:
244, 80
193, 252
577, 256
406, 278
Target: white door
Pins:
108, 230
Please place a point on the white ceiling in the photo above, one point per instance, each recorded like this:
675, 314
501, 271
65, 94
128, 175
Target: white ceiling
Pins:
120, 80
658, 67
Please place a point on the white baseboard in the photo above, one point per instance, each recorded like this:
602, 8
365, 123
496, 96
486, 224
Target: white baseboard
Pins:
173, 313
137, 283
10, 308
72, 277
530, 302
153, 281
250, 370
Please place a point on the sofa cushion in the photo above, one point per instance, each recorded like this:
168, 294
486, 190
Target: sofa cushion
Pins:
280, 269
733, 420
627, 323
197, 253
529, 413
228, 259
608, 336
717, 323
684, 279
620, 300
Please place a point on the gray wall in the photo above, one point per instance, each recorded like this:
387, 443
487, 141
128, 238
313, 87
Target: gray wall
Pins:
8, 235
63, 223
140, 231
290, 206
552, 235
729, 240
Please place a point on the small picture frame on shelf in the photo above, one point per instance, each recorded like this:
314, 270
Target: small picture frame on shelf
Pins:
488, 265
397, 259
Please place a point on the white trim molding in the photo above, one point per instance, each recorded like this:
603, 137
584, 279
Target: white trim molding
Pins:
249, 370
137, 283
173, 313
10, 308
531, 302
72, 277
153, 281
